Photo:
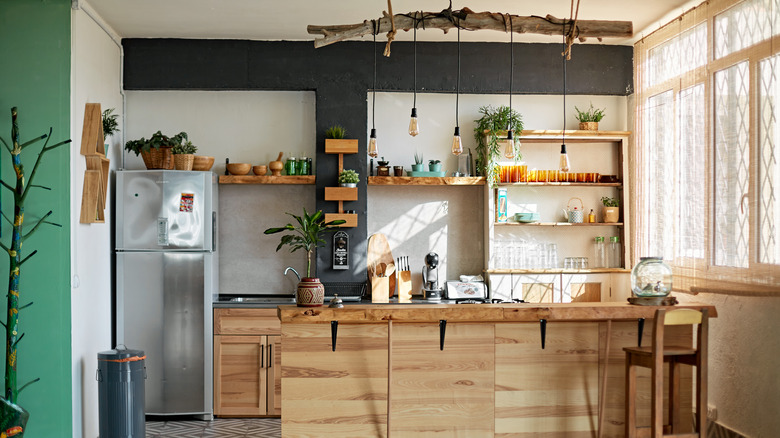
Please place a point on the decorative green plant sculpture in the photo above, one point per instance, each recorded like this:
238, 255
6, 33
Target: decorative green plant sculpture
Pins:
14, 418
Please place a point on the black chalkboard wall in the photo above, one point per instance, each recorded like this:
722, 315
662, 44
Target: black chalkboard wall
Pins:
341, 74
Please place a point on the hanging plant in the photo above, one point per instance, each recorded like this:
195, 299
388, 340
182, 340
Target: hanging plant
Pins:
13, 417
489, 131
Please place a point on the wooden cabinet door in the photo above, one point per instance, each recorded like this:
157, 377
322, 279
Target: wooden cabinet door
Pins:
274, 364
240, 381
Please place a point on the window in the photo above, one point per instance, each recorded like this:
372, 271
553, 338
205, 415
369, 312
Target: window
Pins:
707, 196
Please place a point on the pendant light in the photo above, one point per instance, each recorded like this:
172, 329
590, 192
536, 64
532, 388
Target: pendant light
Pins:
414, 126
372, 148
457, 144
509, 149
564, 160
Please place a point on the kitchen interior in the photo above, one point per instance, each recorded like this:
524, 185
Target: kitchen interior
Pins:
246, 92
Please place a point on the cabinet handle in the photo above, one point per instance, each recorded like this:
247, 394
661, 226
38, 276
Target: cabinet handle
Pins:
262, 355
270, 355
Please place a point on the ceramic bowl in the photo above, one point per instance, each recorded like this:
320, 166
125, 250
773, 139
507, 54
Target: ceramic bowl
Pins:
239, 168
260, 170
527, 217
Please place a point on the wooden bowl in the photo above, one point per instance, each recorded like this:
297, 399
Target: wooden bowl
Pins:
239, 168
260, 170
202, 163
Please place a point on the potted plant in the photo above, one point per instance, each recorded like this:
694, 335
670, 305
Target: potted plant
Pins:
418, 163
348, 178
335, 132
490, 133
589, 120
110, 125
307, 235
337, 143
434, 165
611, 210
184, 155
156, 151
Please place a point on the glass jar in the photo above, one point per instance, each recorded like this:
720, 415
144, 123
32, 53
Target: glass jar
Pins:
651, 277
599, 253
614, 253
290, 166
303, 166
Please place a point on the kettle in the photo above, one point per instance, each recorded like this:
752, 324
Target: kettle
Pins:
574, 216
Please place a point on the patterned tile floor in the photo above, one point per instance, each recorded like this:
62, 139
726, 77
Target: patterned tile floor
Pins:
218, 428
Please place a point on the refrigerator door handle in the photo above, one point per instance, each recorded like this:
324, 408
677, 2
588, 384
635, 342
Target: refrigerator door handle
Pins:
213, 230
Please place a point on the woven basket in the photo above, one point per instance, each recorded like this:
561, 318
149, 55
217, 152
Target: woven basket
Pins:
183, 161
158, 158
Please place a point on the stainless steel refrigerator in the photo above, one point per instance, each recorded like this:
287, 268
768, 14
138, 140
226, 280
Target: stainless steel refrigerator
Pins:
167, 270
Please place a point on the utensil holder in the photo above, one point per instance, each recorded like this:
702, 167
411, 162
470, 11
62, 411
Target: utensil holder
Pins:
380, 290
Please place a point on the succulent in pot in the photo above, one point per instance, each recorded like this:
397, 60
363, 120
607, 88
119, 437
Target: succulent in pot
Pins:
418, 162
348, 178
434, 165
306, 234
611, 210
335, 132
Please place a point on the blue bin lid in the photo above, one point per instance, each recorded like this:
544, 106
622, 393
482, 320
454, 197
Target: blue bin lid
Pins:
121, 355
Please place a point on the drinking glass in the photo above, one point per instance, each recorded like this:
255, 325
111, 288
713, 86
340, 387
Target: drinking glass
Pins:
552, 254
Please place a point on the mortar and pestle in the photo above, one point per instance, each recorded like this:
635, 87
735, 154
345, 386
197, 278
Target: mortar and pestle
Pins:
276, 166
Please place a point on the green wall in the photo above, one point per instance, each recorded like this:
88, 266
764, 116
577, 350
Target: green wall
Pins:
35, 77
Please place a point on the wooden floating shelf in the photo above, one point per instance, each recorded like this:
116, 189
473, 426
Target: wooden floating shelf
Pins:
558, 224
350, 218
558, 271
341, 146
426, 181
256, 179
341, 193
561, 184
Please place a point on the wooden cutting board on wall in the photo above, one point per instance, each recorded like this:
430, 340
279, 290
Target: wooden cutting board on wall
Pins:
379, 253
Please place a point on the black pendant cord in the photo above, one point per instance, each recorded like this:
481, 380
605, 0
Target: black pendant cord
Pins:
511, 68
457, 91
563, 133
373, 101
415, 65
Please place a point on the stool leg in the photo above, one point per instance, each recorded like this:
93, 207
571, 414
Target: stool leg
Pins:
674, 395
630, 398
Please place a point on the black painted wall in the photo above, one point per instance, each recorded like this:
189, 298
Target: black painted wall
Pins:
341, 75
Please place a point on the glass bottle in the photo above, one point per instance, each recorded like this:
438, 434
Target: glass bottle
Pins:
290, 165
651, 277
303, 166
599, 253
615, 257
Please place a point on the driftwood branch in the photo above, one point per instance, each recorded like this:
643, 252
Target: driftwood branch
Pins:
469, 20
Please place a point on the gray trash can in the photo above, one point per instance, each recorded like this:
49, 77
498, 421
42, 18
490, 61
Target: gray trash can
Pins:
121, 374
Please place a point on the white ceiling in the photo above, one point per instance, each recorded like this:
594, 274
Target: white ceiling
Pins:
287, 19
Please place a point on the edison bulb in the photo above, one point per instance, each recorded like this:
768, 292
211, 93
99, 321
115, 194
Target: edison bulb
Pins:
564, 162
372, 150
414, 127
457, 144
509, 146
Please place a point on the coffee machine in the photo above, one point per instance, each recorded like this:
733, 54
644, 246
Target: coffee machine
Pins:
430, 273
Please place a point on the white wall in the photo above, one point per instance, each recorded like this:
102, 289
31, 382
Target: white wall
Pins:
250, 127
95, 78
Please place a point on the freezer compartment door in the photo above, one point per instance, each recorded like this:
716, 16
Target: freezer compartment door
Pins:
165, 210
164, 310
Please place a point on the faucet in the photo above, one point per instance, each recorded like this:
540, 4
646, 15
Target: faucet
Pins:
290, 268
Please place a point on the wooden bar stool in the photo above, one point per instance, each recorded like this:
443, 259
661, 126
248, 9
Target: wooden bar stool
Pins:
654, 357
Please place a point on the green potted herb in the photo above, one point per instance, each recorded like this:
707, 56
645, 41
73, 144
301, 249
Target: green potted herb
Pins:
306, 234
611, 210
490, 133
335, 132
156, 151
110, 125
418, 163
184, 155
348, 178
434, 165
589, 119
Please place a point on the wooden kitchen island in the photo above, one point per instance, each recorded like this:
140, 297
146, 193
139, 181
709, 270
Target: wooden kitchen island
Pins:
491, 379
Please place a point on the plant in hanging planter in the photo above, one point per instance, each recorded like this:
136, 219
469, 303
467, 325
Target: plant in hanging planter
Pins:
184, 155
490, 133
156, 151
335, 132
348, 178
13, 418
307, 235
418, 162
434, 165
589, 119
110, 125
611, 210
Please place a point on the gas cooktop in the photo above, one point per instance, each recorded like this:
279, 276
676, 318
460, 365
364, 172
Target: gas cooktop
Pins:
486, 301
